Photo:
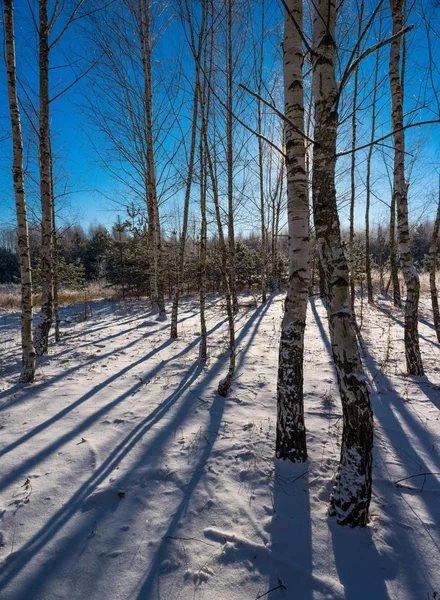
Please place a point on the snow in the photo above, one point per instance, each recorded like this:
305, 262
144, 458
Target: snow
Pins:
126, 476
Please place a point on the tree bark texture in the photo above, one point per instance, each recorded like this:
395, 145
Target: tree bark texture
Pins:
351, 493
230, 157
433, 270
226, 382
368, 184
28, 352
400, 197
41, 337
183, 235
155, 239
291, 433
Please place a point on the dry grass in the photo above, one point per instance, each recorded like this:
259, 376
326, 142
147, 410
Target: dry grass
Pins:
424, 282
10, 295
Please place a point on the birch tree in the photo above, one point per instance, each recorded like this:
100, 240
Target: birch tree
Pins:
45, 159
368, 180
433, 270
351, 493
291, 434
400, 196
230, 153
226, 382
28, 352
196, 51
156, 273
260, 160
354, 117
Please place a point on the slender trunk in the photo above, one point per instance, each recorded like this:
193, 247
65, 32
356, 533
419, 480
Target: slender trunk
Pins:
181, 265
432, 272
28, 352
156, 273
353, 174
225, 384
277, 230
203, 352
368, 189
260, 162
381, 260
291, 433
351, 494
56, 308
41, 336
276, 208
400, 197
230, 158
393, 255
262, 212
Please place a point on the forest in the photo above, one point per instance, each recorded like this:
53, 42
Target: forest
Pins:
219, 316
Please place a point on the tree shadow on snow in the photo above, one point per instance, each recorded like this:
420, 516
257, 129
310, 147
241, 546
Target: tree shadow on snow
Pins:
24, 468
354, 549
73, 545
291, 535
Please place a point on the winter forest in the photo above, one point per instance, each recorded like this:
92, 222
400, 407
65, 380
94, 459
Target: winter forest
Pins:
219, 316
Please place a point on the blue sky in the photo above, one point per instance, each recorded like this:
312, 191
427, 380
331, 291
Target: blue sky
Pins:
88, 192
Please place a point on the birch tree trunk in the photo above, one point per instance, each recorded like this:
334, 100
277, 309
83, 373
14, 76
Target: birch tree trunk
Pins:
291, 433
203, 351
400, 198
260, 163
394, 279
41, 337
433, 270
225, 383
56, 281
156, 272
368, 182
180, 271
230, 158
360, 17
262, 212
351, 493
28, 352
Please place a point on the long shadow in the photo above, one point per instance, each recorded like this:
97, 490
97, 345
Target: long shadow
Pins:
86, 423
349, 544
31, 389
427, 323
388, 313
215, 417
353, 549
430, 390
291, 535
216, 414
16, 562
114, 336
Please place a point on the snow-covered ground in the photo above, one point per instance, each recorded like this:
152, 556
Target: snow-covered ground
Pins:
125, 476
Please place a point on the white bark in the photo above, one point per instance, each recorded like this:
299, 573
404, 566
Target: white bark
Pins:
230, 157
400, 198
28, 351
351, 494
433, 270
291, 436
41, 338
156, 272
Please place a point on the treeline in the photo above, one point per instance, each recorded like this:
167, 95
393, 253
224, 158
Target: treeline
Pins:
121, 258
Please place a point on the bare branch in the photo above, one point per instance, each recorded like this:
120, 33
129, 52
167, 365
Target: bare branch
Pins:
347, 152
276, 111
